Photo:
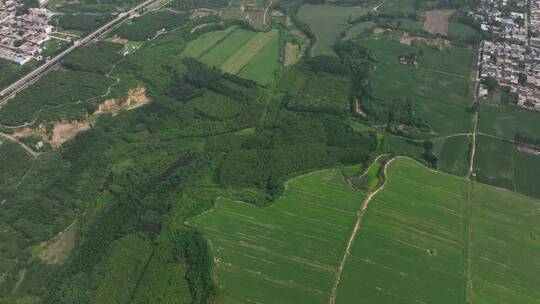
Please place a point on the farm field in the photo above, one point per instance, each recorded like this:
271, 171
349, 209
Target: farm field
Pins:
440, 95
262, 245
251, 55
507, 121
409, 238
505, 262
453, 154
501, 164
327, 23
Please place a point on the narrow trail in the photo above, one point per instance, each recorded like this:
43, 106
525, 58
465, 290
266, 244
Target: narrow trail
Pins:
444, 73
360, 216
24, 146
470, 193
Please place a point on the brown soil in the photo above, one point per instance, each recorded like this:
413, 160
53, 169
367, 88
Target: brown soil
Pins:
57, 251
66, 130
291, 54
359, 108
119, 40
136, 98
437, 21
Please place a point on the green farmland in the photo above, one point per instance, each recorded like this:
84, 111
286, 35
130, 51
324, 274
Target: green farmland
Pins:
438, 87
327, 23
453, 154
412, 245
251, 55
289, 252
500, 163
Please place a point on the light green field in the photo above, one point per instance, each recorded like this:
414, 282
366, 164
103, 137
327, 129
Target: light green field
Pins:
410, 245
225, 49
200, 46
439, 89
288, 252
506, 243
263, 65
327, 23
358, 29
247, 51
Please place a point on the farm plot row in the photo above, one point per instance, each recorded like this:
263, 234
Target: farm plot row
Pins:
248, 54
412, 246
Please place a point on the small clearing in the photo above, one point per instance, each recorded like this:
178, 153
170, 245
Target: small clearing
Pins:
293, 53
136, 98
437, 21
66, 130
58, 249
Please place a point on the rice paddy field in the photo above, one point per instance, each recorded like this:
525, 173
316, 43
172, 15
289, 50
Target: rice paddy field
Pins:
249, 54
428, 239
288, 252
327, 23
439, 86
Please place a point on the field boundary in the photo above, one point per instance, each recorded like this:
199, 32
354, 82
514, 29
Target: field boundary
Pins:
359, 218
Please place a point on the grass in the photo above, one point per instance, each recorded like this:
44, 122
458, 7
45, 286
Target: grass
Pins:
453, 154
247, 51
401, 146
216, 105
440, 97
288, 252
460, 30
397, 6
263, 65
501, 164
358, 29
327, 23
221, 52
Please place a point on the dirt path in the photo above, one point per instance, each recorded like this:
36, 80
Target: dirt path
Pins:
444, 73
360, 216
470, 193
25, 147
266, 12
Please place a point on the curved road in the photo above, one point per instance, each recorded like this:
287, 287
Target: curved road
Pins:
23, 82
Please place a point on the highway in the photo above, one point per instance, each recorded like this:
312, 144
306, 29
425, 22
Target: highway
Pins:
24, 81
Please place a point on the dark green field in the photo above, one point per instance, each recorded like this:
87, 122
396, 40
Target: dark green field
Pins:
439, 87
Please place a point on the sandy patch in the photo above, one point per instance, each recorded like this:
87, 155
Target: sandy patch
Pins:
57, 251
66, 130
136, 98
437, 21
119, 40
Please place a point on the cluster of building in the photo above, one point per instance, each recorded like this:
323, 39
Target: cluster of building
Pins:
23, 32
510, 58
534, 27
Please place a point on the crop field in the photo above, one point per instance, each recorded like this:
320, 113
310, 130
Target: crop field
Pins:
200, 46
396, 6
501, 164
440, 95
506, 233
327, 23
437, 21
410, 239
507, 121
400, 146
263, 65
225, 49
453, 154
288, 252
251, 55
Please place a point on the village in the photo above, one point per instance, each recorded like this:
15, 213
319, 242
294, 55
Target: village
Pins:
511, 57
23, 31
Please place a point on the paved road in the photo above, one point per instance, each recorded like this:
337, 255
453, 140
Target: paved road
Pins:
23, 82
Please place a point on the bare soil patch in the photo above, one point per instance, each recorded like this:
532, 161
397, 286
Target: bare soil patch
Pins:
66, 130
437, 21
136, 97
57, 251
292, 53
